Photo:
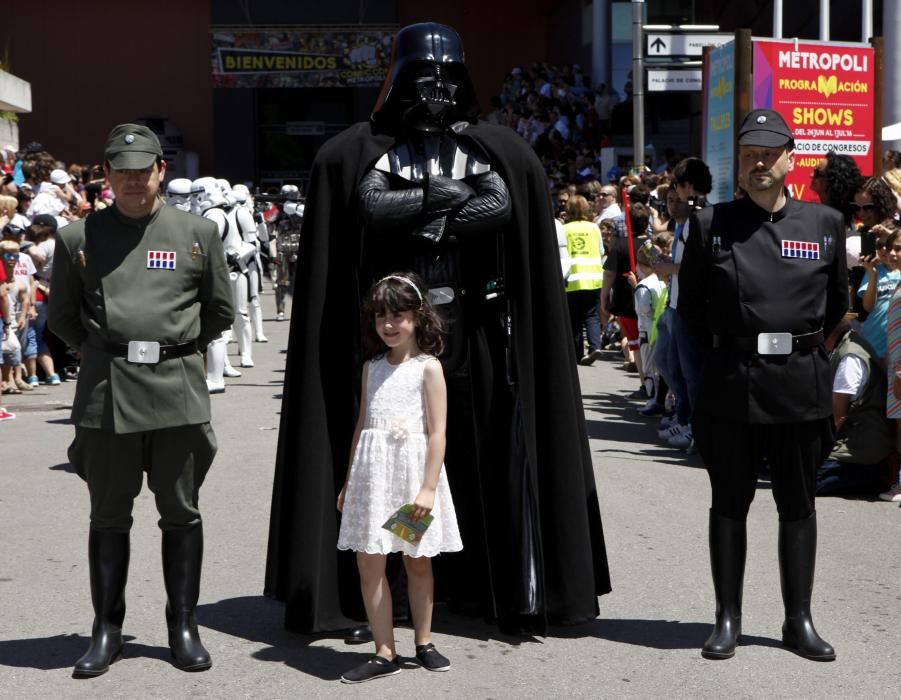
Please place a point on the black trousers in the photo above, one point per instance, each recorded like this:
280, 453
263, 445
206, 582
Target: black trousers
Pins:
734, 453
176, 461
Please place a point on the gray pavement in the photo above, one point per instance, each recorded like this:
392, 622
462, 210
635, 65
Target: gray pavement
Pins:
644, 644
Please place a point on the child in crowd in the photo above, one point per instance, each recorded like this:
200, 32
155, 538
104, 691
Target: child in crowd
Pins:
893, 402
16, 318
881, 279
398, 453
650, 299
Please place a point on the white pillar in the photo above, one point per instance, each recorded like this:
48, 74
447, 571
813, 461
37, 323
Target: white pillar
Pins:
824, 20
891, 96
866, 21
777, 19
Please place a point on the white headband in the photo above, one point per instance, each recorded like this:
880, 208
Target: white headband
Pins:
406, 280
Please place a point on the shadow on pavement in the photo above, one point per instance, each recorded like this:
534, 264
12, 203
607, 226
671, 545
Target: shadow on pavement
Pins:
62, 651
261, 620
656, 634
64, 467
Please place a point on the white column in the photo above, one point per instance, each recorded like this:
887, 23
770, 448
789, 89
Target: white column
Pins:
891, 96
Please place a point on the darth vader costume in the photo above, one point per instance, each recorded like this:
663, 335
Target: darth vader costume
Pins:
423, 186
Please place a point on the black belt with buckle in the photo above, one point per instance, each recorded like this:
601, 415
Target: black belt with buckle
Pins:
769, 343
145, 352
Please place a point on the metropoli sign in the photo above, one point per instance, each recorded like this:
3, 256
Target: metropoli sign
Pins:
825, 92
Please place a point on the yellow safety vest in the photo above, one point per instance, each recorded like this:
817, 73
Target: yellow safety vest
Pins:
583, 241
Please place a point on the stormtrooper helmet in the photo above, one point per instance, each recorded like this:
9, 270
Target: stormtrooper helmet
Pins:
178, 194
207, 194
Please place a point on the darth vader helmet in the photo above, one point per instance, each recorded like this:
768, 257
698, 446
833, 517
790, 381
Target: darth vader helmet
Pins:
428, 87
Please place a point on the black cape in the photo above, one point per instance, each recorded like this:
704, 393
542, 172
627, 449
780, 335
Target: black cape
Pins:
534, 549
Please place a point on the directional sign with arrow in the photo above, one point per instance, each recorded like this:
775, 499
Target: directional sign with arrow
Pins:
657, 46
684, 44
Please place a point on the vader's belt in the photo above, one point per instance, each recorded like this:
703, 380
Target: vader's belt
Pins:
145, 352
769, 343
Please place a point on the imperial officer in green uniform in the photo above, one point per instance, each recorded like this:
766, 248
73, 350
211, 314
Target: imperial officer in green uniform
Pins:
141, 289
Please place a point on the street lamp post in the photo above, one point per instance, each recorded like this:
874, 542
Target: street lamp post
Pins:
638, 82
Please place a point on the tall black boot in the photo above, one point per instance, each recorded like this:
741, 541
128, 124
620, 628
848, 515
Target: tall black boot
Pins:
182, 558
728, 547
797, 560
108, 564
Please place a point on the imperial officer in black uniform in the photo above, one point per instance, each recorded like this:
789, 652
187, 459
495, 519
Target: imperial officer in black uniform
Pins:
762, 282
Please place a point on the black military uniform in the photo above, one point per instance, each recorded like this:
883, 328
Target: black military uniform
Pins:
760, 289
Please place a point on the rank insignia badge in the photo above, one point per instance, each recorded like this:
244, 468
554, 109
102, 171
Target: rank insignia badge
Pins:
160, 260
800, 249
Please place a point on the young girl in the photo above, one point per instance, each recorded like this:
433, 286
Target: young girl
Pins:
879, 283
649, 301
398, 454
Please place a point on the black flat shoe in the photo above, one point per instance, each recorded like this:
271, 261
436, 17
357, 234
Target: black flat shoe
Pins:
376, 667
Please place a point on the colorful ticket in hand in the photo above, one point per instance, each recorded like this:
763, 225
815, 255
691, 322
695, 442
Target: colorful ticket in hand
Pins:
401, 525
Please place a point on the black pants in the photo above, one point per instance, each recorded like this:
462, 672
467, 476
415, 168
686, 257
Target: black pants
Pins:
733, 454
176, 461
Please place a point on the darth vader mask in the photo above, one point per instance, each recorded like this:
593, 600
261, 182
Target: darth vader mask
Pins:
428, 87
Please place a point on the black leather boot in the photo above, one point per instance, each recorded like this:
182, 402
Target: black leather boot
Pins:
728, 547
182, 558
361, 634
108, 564
797, 560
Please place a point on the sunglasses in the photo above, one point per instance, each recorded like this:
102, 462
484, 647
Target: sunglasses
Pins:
10, 256
861, 207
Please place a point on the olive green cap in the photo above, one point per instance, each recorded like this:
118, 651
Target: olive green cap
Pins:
132, 147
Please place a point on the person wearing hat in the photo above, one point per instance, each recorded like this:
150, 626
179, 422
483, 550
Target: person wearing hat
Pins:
762, 284
140, 289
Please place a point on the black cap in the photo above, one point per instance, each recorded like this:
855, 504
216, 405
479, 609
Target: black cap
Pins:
764, 127
45, 220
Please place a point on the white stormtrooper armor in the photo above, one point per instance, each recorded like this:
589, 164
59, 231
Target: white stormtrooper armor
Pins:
250, 232
209, 202
240, 254
178, 194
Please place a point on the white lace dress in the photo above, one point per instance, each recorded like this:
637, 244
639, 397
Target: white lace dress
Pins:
389, 466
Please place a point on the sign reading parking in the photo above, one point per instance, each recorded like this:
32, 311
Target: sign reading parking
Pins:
684, 44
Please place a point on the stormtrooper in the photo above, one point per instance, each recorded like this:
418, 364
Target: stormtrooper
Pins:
209, 201
180, 194
424, 186
287, 244
251, 228
240, 253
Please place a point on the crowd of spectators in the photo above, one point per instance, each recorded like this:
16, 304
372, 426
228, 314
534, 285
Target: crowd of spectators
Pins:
38, 195
566, 119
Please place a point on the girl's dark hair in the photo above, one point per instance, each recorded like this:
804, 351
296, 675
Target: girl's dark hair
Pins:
395, 293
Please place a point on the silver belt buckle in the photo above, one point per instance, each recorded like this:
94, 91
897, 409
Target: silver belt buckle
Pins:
143, 352
774, 343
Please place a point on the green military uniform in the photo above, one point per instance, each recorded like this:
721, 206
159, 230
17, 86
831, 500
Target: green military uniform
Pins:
140, 289
107, 292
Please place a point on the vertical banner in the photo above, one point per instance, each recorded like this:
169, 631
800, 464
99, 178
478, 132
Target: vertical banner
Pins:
826, 93
719, 120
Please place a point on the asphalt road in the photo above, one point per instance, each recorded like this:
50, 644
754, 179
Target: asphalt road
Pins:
645, 644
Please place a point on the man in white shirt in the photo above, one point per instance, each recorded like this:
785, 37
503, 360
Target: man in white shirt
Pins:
608, 203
